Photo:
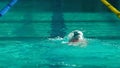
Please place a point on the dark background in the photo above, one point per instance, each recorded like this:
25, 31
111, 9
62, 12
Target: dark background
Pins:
67, 5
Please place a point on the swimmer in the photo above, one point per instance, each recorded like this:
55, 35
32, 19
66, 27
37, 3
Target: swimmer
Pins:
76, 38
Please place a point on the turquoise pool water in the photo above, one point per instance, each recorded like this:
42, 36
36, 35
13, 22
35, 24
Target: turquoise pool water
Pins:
25, 30
53, 54
24, 43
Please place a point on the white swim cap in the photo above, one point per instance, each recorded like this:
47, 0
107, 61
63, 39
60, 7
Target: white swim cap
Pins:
78, 32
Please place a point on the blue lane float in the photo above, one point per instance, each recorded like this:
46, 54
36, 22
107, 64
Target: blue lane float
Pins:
7, 7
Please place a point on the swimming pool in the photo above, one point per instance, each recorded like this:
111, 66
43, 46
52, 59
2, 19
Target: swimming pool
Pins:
26, 49
25, 31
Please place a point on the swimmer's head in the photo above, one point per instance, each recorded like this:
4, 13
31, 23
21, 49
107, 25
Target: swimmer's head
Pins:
77, 33
76, 37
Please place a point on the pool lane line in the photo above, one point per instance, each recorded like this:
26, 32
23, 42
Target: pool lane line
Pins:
111, 7
58, 26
